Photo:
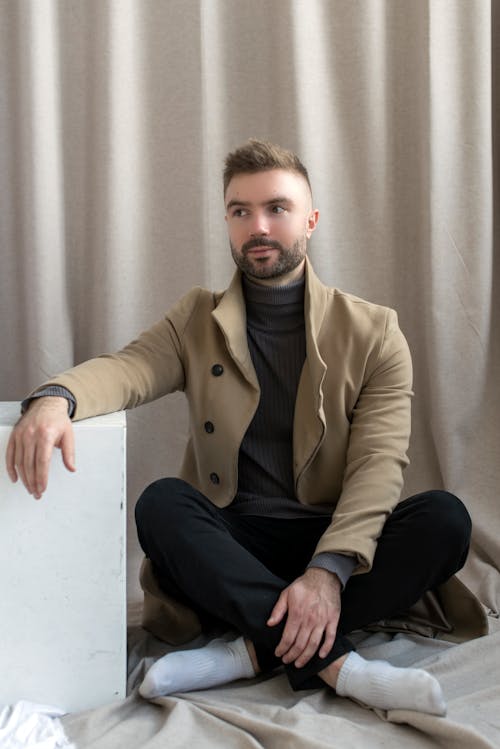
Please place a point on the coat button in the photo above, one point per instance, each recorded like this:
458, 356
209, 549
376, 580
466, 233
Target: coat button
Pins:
209, 427
217, 370
214, 478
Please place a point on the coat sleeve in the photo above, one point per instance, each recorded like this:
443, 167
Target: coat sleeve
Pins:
147, 368
376, 452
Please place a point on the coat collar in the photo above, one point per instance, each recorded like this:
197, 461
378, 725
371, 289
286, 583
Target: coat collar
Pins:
315, 302
230, 315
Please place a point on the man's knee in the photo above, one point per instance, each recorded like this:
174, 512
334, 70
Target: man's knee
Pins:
170, 500
450, 514
448, 526
161, 500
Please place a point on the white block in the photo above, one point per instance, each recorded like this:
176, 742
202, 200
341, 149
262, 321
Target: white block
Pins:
62, 574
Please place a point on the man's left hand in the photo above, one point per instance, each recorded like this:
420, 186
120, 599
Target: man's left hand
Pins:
312, 605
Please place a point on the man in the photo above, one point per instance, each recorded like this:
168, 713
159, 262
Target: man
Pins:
286, 522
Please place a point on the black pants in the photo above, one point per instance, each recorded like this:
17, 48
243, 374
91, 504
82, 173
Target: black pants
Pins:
232, 568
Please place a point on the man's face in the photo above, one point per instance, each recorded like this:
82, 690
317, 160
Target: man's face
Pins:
270, 218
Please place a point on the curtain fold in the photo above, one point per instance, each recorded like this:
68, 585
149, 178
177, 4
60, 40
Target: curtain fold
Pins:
115, 117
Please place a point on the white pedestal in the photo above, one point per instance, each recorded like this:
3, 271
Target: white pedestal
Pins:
62, 574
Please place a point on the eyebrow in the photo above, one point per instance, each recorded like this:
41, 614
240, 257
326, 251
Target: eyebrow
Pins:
272, 201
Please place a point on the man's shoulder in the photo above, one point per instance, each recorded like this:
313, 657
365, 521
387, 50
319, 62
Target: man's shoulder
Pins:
195, 307
346, 304
356, 303
356, 316
200, 295
196, 298
340, 301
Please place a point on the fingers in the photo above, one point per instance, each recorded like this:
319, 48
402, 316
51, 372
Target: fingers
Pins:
17, 460
279, 610
68, 449
31, 443
312, 611
26, 464
287, 644
27, 459
10, 459
297, 640
301, 636
304, 649
40, 468
330, 635
301, 640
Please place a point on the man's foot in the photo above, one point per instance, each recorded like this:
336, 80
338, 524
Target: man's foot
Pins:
378, 684
217, 663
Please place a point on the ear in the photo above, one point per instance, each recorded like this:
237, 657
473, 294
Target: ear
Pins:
312, 222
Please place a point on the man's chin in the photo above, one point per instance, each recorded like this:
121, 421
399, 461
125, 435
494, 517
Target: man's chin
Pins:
258, 267
263, 272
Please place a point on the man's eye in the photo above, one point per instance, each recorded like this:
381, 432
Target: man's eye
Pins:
278, 209
239, 212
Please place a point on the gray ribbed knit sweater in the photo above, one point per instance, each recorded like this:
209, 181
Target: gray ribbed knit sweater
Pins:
276, 339
277, 343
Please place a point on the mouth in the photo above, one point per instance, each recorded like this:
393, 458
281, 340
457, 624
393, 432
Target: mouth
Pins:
261, 249
260, 246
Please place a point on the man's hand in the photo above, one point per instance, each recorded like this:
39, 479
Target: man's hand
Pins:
45, 425
312, 605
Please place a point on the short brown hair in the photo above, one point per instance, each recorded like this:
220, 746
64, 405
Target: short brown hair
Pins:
261, 156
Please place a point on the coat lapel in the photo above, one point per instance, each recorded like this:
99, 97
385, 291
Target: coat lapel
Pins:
230, 316
310, 423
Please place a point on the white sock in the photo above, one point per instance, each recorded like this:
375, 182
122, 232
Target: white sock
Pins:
378, 684
219, 662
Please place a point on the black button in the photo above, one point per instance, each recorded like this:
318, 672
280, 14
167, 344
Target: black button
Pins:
209, 427
217, 370
214, 478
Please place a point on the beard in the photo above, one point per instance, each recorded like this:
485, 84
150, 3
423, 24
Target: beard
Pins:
287, 259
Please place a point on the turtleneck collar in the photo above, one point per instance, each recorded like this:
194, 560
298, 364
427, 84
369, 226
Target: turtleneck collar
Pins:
274, 307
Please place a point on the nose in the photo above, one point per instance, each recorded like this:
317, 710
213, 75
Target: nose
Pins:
259, 226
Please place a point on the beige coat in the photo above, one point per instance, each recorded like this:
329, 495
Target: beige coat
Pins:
352, 414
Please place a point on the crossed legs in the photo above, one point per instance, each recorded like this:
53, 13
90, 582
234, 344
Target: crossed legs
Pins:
233, 568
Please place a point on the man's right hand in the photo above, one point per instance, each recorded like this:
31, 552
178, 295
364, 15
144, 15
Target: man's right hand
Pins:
44, 425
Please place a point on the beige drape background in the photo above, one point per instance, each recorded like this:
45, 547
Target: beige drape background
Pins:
115, 116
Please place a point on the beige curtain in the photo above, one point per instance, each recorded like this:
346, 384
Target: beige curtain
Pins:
115, 116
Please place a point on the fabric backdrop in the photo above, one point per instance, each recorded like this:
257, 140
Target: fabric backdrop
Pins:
115, 117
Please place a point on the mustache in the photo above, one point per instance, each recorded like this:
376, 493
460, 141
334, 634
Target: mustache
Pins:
263, 242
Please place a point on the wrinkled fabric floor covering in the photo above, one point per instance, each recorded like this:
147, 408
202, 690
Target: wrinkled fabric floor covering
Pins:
266, 713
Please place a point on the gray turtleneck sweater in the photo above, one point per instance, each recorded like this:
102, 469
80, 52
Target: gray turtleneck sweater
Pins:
277, 344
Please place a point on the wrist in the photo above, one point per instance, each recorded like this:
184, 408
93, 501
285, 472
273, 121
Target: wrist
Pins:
323, 575
53, 402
